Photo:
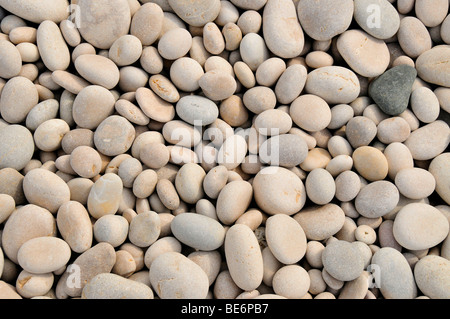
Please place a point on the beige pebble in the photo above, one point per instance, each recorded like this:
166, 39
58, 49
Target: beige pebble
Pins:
144, 184
439, 169
112, 229
244, 74
365, 234
185, 74
339, 164
342, 260
215, 180
30, 285
243, 256
107, 189
311, 219
52, 47
393, 129
43, 255
114, 136
159, 247
320, 186
180, 36
233, 111
413, 37
316, 158
217, 85
291, 281
85, 161
125, 50
377, 199
286, 238
253, 50
75, 226
167, 194
7, 206
147, 23
290, 83
188, 279
13, 60
415, 183
259, 99
153, 106
310, 112
425, 105
313, 254
360, 131
370, 163
233, 200
225, 287
145, 229
338, 145
431, 14
430, 274
437, 137
347, 232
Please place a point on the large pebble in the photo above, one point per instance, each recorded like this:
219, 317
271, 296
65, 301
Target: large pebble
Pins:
16, 147
114, 136
147, 23
273, 122
174, 276
312, 221
19, 96
102, 22
52, 47
360, 50
243, 257
215, 180
343, 260
42, 255
439, 168
377, 199
233, 200
153, 106
37, 12
286, 150
253, 50
324, 19
393, 129
383, 25
429, 141
431, 275
198, 231
282, 31
97, 260
197, 110
334, 84
420, 226
27, 222
279, 191
391, 90
291, 281
395, 278
98, 70
198, 14
415, 183
75, 226
112, 286
310, 112
370, 163
112, 229
48, 135
105, 196
285, 238
413, 37
46, 189
259, 99
145, 229
433, 66
12, 60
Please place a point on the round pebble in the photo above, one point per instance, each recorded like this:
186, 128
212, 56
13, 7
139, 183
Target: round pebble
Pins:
310, 112
105, 195
415, 183
377, 199
16, 147
430, 275
370, 163
342, 260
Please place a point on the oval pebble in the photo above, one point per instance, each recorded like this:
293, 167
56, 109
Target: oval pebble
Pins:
16, 147
243, 256
431, 275
105, 196
377, 199
425, 105
429, 141
12, 60
145, 229
311, 219
396, 280
413, 37
174, 276
393, 129
342, 260
197, 15
291, 281
420, 226
385, 25
439, 169
233, 200
286, 150
285, 238
75, 226
291, 83
112, 286
320, 186
310, 112
114, 136
415, 183
98, 70
370, 163
147, 23
178, 35
38, 12
198, 231
197, 110
42, 255
52, 46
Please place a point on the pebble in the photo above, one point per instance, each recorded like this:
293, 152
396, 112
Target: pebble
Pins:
348, 185
112, 229
286, 150
391, 91
30, 285
233, 200
383, 26
159, 247
16, 147
370, 163
415, 183
396, 280
98, 70
359, 50
273, 122
333, 17
284, 39
53, 49
393, 129
153, 106
55, 11
377, 199
42, 112
13, 60
198, 231
270, 71
180, 36
413, 37
174, 276
278, 190
310, 112
243, 257
342, 260
112, 286
110, 140
259, 99
104, 22
147, 23
43, 255
320, 186
431, 275
439, 169
145, 229
232, 152
290, 83
253, 50
285, 238
291, 281
75, 226
420, 226
105, 195
125, 50
15, 107
432, 65
437, 137
334, 84
425, 105
311, 219
196, 15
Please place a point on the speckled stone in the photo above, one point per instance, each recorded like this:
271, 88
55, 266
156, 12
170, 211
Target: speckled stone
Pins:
392, 89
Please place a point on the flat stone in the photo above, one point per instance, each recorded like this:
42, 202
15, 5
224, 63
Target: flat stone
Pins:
392, 89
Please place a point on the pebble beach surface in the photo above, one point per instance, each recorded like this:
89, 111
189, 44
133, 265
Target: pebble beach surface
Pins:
224, 149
